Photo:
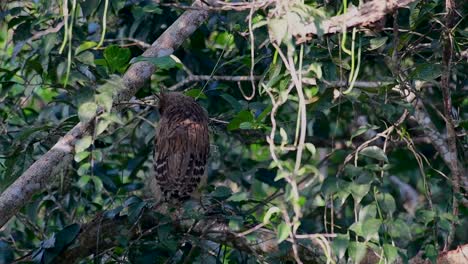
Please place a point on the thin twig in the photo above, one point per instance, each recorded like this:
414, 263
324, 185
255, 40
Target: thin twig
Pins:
200, 78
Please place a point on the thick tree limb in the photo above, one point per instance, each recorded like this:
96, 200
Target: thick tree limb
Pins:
40, 173
366, 14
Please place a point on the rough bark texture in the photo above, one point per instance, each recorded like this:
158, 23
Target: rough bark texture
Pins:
40, 173
456, 168
366, 14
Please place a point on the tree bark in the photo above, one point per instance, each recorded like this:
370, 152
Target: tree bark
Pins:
40, 173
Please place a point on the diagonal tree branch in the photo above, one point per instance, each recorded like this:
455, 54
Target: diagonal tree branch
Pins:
41, 172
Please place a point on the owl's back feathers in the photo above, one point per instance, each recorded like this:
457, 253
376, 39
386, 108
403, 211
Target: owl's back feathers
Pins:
182, 147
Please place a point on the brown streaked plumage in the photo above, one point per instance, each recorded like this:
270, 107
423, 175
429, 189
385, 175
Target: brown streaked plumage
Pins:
182, 147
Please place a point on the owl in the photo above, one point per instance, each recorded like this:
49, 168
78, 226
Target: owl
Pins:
181, 148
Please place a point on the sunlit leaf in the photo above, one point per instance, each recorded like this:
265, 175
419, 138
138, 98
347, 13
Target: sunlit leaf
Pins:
278, 29
241, 117
163, 63
283, 231
357, 251
340, 245
376, 43
83, 143
358, 191
117, 58
375, 153
196, 93
272, 210
391, 252
87, 111
85, 46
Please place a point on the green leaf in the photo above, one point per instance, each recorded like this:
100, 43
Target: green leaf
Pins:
104, 100
358, 191
222, 192
311, 148
316, 68
79, 156
376, 43
222, 40
117, 58
102, 126
386, 202
236, 224
245, 125
368, 212
132, 200
330, 186
87, 111
426, 72
371, 228
361, 130
241, 117
83, 143
84, 168
66, 236
264, 113
87, 58
391, 253
414, 16
236, 106
278, 28
152, 8
85, 46
114, 212
375, 153
425, 216
163, 63
281, 175
196, 93
283, 232
83, 181
97, 184
399, 229
284, 136
357, 251
356, 227
238, 197
430, 251
134, 207
272, 210
340, 245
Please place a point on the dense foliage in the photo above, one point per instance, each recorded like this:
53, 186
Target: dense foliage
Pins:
356, 163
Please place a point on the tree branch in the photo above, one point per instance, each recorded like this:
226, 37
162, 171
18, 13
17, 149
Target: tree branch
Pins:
199, 78
366, 14
102, 233
40, 173
456, 168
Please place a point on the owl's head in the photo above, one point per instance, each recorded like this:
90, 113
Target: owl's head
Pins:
173, 99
